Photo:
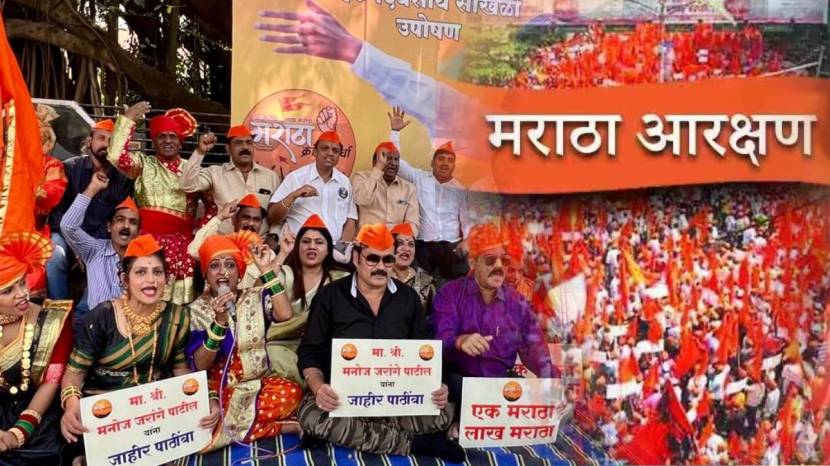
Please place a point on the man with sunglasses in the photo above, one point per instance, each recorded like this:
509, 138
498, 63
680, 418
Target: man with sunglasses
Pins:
483, 323
368, 304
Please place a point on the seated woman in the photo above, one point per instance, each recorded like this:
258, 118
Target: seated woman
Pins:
255, 403
309, 257
414, 276
34, 347
129, 341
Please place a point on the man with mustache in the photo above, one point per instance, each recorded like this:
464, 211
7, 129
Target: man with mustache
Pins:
317, 188
484, 324
245, 214
368, 304
79, 173
381, 195
231, 181
101, 256
167, 212
443, 206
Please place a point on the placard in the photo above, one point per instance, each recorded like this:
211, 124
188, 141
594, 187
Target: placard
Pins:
503, 412
381, 378
149, 424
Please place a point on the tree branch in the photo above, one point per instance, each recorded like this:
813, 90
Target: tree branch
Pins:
158, 86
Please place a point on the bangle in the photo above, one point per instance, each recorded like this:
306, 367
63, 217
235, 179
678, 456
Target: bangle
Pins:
215, 322
69, 392
33, 413
268, 276
213, 395
215, 337
19, 435
313, 371
27, 426
277, 289
211, 345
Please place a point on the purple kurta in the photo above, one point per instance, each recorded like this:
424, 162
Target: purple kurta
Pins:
460, 309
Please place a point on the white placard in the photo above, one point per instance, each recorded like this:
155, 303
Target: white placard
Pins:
147, 425
382, 378
510, 412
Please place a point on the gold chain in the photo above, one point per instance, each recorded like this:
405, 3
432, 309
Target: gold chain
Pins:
135, 359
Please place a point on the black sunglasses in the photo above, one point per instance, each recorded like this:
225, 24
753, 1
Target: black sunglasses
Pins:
374, 259
491, 260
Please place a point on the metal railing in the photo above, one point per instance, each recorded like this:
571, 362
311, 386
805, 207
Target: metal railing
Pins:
215, 122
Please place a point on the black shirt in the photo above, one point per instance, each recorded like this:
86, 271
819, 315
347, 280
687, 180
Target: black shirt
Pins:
78, 174
336, 313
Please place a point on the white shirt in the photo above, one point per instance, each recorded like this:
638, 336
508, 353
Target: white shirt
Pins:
334, 204
443, 205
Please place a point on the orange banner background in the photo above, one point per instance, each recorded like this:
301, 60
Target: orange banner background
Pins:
484, 168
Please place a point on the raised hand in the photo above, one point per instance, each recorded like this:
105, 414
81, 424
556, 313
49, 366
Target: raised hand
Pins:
315, 33
137, 111
206, 142
397, 119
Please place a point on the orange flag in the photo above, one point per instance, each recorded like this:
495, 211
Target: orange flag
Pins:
21, 157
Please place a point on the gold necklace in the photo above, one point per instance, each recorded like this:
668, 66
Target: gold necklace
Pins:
140, 324
6, 320
25, 360
409, 274
135, 360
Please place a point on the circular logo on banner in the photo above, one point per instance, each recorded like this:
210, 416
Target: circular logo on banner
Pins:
512, 391
348, 352
285, 125
190, 386
101, 409
426, 352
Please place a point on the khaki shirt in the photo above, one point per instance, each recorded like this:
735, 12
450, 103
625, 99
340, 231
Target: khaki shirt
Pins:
226, 183
379, 202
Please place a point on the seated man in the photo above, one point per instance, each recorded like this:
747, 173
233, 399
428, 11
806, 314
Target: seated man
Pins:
245, 215
368, 304
485, 324
101, 256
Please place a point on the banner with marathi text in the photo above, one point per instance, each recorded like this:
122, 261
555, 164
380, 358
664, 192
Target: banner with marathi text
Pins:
149, 424
591, 108
385, 377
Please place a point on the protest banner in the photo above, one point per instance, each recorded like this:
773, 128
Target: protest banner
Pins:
376, 378
149, 424
510, 412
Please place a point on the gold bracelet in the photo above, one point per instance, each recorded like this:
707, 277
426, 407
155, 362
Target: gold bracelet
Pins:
19, 435
220, 325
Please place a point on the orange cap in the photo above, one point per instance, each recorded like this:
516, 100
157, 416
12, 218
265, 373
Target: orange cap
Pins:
217, 245
330, 136
446, 147
249, 200
22, 253
314, 221
483, 238
104, 125
386, 146
142, 246
403, 229
240, 131
128, 203
375, 236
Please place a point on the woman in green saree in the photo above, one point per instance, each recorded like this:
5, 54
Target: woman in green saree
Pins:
128, 341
